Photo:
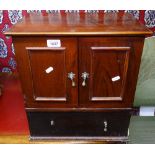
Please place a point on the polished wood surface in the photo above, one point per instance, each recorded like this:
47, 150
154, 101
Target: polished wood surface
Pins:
106, 59
76, 24
103, 57
42, 59
106, 46
47, 88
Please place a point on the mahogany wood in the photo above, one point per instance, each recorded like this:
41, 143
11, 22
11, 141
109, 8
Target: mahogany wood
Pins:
41, 87
79, 24
105, 58
106, 46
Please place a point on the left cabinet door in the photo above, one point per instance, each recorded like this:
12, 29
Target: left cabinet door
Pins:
44, 71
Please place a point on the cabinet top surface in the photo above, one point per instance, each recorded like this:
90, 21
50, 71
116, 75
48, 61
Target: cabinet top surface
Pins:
75, 24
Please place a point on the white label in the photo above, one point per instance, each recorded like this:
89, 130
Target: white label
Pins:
147, 111
53, 43
116, 78
49, 69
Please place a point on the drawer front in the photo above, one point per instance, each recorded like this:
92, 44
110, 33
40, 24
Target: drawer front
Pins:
59, 125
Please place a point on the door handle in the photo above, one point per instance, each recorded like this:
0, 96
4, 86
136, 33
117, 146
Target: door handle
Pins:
71, 76
85, 76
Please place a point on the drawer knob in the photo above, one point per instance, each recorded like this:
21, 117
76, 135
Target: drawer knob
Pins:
105, 126
85, 76
71, 76
52, 123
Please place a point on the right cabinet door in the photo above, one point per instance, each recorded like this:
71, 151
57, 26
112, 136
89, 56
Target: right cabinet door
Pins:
108, 70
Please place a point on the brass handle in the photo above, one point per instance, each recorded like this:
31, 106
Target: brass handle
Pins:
71, 76
105, 126
85, 76
52, 123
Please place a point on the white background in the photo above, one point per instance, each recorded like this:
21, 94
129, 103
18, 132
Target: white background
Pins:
77, 4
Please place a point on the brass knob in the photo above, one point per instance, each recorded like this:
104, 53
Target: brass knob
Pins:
52, 122
71, 76
105, 126
85, 75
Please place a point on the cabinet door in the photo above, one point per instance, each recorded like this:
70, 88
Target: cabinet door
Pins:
107, 72
44, 72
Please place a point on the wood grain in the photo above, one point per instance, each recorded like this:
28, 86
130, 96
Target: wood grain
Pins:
50, 88
79, 25
105, 46
104, 58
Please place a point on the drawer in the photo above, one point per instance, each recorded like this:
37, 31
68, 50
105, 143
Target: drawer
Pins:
78, 125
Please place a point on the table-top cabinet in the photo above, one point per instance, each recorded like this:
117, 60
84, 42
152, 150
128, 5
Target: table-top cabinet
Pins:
85, 72
78, 62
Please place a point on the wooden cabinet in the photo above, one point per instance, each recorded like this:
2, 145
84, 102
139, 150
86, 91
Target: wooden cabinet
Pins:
86, 84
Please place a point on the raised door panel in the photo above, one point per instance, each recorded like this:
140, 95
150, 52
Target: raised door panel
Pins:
112, 64
44, 72
48, 71
108, 72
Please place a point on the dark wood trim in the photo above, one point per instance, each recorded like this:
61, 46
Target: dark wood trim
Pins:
135, 111
66, 34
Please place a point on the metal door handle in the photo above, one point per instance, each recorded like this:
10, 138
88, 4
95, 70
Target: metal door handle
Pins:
85, 76
105, 126
71, 76
52, 122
